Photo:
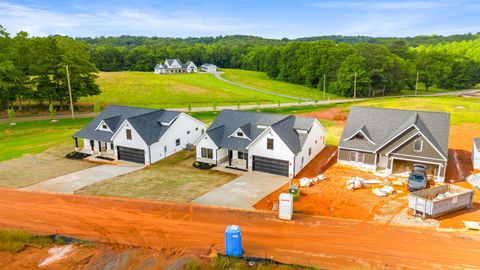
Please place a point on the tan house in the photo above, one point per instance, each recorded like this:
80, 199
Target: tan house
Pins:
392, 141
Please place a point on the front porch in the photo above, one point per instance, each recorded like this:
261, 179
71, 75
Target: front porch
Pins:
96, 148
236, 160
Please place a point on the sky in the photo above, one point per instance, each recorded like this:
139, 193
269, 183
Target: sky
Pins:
266, 18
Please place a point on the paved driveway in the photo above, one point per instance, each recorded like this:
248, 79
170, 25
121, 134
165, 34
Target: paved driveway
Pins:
74, 181
244, 191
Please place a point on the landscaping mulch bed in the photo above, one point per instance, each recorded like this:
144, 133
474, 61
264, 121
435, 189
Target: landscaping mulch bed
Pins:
77, 155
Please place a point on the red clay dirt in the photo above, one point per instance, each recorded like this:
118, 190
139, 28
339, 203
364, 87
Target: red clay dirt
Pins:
308, 240
332, 114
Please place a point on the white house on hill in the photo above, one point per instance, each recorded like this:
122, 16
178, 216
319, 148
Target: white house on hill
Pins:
210, 68
175, 66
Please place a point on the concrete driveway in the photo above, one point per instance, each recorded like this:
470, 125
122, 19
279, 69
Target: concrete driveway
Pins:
244, 191
74, 181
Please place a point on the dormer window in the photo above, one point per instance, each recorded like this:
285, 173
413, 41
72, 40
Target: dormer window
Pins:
239, 134
104, 126
418, 145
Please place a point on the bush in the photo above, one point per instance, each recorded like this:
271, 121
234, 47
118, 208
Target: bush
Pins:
52, 111
11, 115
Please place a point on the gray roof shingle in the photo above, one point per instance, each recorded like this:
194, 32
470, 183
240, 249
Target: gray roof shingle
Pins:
228, 121
147, 122
381, 125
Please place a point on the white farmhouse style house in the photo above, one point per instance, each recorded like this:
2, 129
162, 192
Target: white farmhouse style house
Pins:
476, 154
271, 143
175, 66
138, 134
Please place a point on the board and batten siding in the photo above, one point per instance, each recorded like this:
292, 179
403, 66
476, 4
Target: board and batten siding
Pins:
120, 139
316, 140
206, 142
344, 155
185, 128
280, 150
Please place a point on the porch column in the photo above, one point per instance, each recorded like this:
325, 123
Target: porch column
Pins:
76, 144
99, 147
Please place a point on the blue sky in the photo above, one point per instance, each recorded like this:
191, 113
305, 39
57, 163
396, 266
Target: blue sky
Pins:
266, 18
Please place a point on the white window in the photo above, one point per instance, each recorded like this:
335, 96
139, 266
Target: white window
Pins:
177, 142
104, 126
418, 145
207, 153
240, 134
129, 134
188, 131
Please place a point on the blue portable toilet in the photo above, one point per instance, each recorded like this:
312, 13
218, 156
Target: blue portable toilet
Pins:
233, 241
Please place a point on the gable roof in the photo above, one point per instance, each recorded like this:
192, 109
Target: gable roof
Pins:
477, 143
228, 121
170, 61
383, 125
147, 122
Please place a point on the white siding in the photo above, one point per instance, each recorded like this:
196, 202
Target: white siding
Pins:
317, 134
475, 157
178, 130
280, 150
120, 139
206, 142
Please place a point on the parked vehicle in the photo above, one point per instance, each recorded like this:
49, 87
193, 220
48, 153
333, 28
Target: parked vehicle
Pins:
418, 178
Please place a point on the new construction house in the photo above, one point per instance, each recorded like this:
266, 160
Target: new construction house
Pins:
271, 143
392, 141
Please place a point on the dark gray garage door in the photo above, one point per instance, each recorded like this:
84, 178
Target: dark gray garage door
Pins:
270, 165
131, 154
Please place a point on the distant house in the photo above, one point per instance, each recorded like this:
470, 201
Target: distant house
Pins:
175, 66
210, 68
393, 140
476, 154
271, 143
138, 135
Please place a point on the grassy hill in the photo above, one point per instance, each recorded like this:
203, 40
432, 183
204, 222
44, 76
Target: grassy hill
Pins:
262, 81
147, 89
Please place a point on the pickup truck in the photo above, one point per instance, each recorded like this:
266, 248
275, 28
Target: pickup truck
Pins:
418, 178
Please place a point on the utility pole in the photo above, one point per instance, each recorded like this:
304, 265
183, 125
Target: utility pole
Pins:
324, 83
355, 87
416, 85
70, 91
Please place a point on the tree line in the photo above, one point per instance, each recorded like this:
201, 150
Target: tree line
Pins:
384, 66
34, 69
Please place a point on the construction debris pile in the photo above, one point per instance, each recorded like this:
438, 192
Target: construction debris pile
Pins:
358, 183
474, 180
441, 196
306, 182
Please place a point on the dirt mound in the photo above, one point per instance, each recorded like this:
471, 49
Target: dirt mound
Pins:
333, 114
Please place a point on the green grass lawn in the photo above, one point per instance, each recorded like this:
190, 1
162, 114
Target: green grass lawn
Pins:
171, 179
31, 137
262, 81
146, 89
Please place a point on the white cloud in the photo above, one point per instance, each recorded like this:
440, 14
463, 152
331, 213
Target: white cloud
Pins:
41, 22
374, 5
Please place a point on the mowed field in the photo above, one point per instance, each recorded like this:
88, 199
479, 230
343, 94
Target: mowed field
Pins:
262, 81
146, 89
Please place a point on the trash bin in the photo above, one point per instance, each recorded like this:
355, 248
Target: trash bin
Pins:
233, 241
285, 206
